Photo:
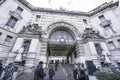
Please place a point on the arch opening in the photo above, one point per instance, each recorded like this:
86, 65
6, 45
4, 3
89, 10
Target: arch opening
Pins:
61, 45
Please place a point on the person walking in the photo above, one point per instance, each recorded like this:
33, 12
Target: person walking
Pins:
83, 74
113, 68
86, 74
75, 74
8, 72
39, 73
51, 73
56, 65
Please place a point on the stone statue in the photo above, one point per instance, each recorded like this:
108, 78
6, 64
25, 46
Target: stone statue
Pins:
90, 33
31, 29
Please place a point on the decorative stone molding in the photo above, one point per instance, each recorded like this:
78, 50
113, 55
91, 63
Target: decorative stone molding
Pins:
90, 13
105, 23
32, 29
89, 33
18, 16
62, 25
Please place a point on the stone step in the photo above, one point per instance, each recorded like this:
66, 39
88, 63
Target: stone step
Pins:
60, 74
26, 76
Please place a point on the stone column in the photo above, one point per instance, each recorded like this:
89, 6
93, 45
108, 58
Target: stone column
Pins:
80, 52
18, 44
43, 53
31, 55
16, 48
93, 54
106, 53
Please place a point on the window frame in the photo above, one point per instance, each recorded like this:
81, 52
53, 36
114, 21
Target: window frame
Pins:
1, 33
8, 39
85, 21
37, 18
98, 48
19, 10
111, 44
12, 22
118, 41
102, 18
108, 30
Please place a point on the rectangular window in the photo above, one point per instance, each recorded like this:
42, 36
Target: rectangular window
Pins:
12, 21
85, 21
38, 17
19, 10
111, 45
102, 18
8, 39
98, 48
118, 41
26, 45
0, 33
108, 30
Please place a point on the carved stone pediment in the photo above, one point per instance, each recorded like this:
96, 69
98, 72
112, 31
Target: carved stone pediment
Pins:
91, 33
31, 29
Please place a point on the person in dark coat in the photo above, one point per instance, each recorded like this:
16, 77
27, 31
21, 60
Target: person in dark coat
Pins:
39, 73
81, 74
75, 74
56, 65
51, 73
8, 72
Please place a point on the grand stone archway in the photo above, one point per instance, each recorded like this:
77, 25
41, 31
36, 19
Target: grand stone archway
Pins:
61, 42
62, 25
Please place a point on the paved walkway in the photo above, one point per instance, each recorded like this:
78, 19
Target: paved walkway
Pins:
60, 74
26, 76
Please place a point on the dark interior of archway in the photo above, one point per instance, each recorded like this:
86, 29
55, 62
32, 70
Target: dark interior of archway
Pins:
61, 43
60, 50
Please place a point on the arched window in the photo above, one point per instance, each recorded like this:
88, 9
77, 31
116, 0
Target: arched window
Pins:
61, 36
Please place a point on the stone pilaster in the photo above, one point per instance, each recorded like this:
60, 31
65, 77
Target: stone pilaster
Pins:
31, 55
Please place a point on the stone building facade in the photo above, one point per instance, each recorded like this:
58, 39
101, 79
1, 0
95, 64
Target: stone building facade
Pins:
31, 34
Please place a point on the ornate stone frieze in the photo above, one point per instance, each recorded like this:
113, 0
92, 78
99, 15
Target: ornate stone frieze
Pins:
105, 23
91, 33
90, 13
33, 29
62, 25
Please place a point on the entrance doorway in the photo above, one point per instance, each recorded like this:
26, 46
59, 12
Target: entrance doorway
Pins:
62, 53
61, 47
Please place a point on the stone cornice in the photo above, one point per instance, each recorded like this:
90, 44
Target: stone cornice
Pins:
103, 7
90, 13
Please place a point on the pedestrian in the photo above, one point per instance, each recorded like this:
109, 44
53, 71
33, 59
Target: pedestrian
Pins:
56, 65
86, 75
51, 73
79, 73
98, 69
39, 73
75, 74
83, 74
8, 72
113, 68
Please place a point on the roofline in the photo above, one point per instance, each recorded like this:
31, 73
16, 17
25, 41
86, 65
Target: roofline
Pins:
89, 13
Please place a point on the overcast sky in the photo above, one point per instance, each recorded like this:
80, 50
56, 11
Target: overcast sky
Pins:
77, 5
